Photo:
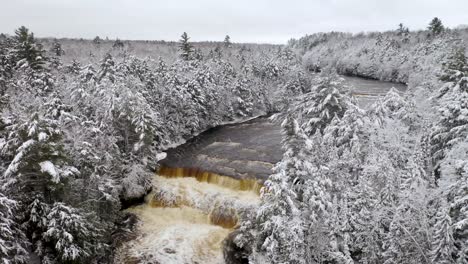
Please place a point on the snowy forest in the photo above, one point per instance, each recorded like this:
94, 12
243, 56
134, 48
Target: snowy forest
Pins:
85, 124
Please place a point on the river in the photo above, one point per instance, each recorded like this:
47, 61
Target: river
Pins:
205, 184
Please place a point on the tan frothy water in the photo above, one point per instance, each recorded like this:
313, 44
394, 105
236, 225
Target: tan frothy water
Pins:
186, 219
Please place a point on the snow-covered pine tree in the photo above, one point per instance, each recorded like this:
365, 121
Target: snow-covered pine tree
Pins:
326, 100
318, 202
407, 240
88, 74
281, 229
13, 241
350, 129
185, 47
38, 160
27, 50
243, 103
7, 62
57, 52
118, 44
452, 125
55, 108
107, 68
443, 244
435, 26
63, 234
57, 49
453, 70
97, 40
402, 30
227, 41
453, 186
73, 68
393, 106
365, 234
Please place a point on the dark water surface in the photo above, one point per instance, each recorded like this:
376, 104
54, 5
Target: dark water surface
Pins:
250, 149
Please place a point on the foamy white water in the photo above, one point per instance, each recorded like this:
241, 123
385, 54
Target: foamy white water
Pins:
191, 229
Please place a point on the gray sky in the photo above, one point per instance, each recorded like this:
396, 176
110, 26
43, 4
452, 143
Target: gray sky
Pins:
273, 21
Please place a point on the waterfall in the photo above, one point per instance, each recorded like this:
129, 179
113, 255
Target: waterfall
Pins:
187, 216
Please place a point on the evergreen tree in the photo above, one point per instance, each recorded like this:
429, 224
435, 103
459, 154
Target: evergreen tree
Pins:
185, 47
97, 40
118, 44
107, 68
455, 68
281, 233
73, 68
436, 27
227, 41
27, 50
326, 100
244, 102
452, 125
63, 234
38, 164
56, 48
453, 185
13, 242
443, 244
402, 30
7, 63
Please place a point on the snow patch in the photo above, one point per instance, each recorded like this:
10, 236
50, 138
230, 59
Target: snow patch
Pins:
49, 168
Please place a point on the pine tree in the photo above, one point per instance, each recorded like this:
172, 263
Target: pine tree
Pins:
281, 233
455, 68
185, 47
38, 164
107, 68
7, 63
97, 40
436, 27
348, 130
28, 51
326, 100
443, 244
56, 48
63, 234
244, 101
13, 242
118, 44
74, 68
452, 125
402, 30
227, 41
459, 214
57, 51
453, 185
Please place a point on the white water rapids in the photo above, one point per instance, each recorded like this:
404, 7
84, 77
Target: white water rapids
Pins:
185, 221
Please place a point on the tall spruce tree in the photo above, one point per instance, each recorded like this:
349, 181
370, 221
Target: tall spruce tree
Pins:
56, 48
436, 27
13, 243
27, 50
185, 47
227, 41
326, 100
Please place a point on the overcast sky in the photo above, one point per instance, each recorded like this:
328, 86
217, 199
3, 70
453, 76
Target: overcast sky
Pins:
261, 21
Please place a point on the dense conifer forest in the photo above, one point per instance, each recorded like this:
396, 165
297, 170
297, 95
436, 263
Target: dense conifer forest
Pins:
85, 123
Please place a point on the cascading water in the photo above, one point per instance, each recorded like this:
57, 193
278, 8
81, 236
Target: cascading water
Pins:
190, 212
187, 216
